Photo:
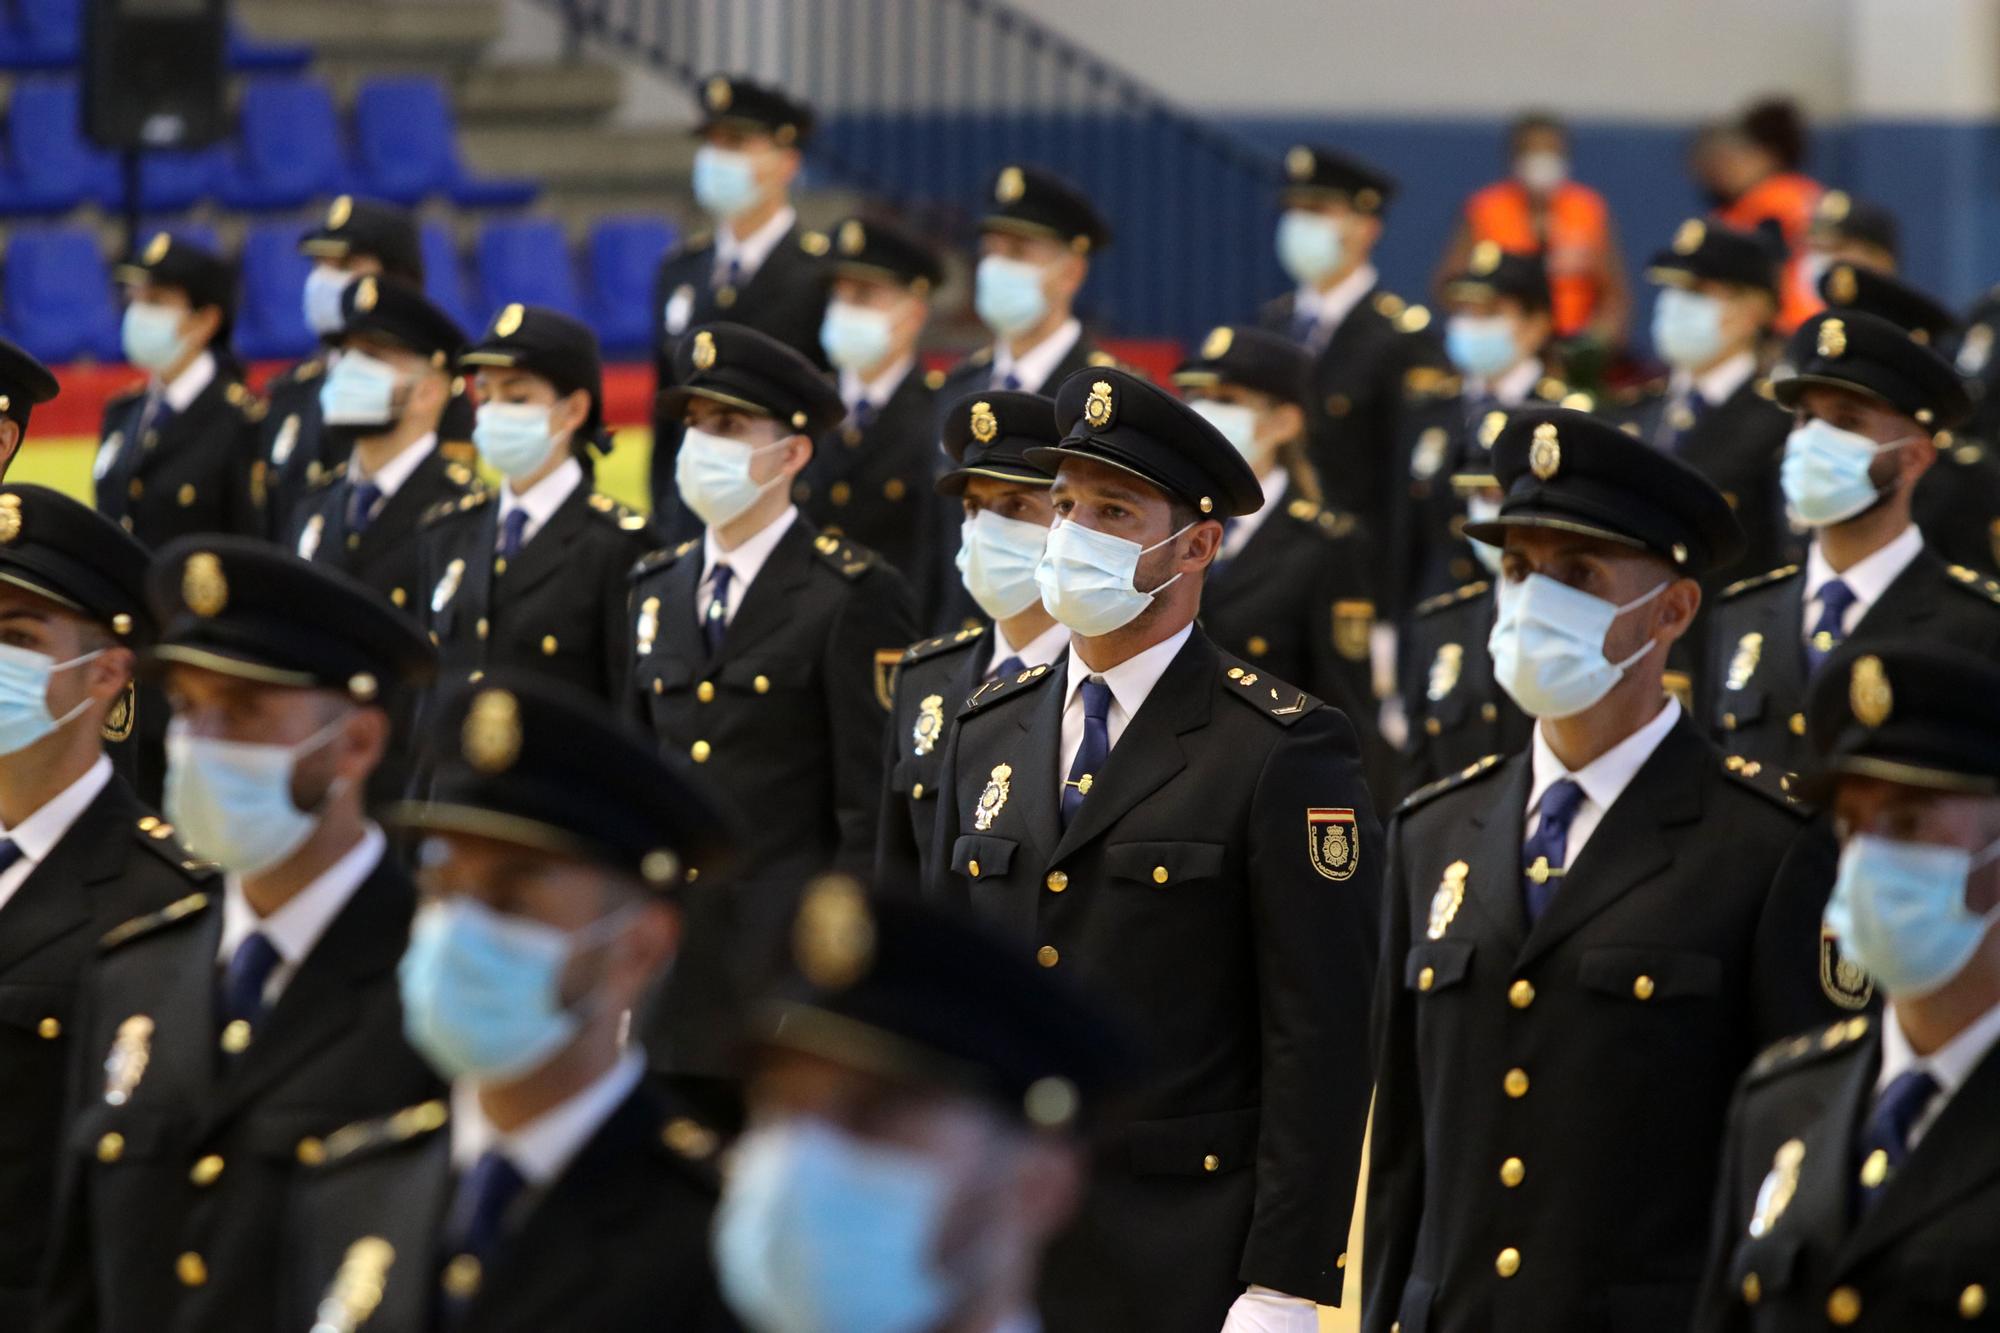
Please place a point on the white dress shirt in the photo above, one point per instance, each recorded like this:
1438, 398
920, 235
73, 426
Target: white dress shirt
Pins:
38, 834
1042, 650
878, 391
392, 474
297, 926
1244, 526
541, 1149
181, 391
750, 253
744, 562
1130, 681
1950, 1064
1512, 387
1716, 384
1868, 578
1603, 779
1331, 307
542, 499
1034, 366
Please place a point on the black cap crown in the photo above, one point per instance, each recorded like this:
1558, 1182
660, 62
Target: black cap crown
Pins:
547, 343
24, 381
882, 250
1854, 287
167, 260
1314, 173
1840, 216
738, 366
727, 99
66, 551
1035, 202
368, 227
1253, 358
1851, 349
989, 435
1704, 251
390, 308
1492, 272
1926, 714
1119, 419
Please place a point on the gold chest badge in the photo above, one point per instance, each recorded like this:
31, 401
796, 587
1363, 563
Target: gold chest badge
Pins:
648, 627
1445, 670
1450, 896
1841, 979
930, 725
1742, 666
1780, 1184
994, 798
309, 539
131, 1050
447, 586
1333, 843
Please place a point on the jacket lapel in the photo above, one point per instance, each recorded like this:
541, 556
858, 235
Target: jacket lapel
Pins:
396, 520
1905, 605
547, 551
1824, 1194
1493, 879
54, 899
769, 602
1036, 757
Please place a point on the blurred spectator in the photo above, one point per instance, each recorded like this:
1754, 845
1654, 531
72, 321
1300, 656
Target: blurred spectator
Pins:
1754, 165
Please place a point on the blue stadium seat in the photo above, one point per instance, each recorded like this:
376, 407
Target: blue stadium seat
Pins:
172, 181
194, 233
41, 34
406, 147
527, 260
290, 147
51, 167
621, 262
444, 275
58, 295
251, 54
271, 323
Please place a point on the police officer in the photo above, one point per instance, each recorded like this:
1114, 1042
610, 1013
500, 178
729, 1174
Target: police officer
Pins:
1288, 591
24, 381
1718, 296
1868, 401
1860, 1183
1134, 813
1036, 242
1846, 230
756, 268
1587, 942
230, 1031
1004, 500
920, 1094
80, 850
355, 238
179, 453
870, 480
553, 1189
534, 574
1366, 341
763, 651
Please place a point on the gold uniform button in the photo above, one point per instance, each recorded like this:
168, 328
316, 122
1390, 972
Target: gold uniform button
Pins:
1844, 1306
49, 1029
1426, 978
1875, 1169
1508, 1263
1798, 724
1512, 1172
185, 496
916, 791
1257, 646
761, 684
236, 1037
310, 1152
1047, 955
499, 565
111, 1147
1211, 1163
461, 1276
136, 489
206, 1170
1340, 1261
705, 691
1489, 712
548, 645
398, 597
1433, 727
699, 751
1159, 874
972, 869
482, 627
1972, 1302
1516, 1083
1521, 994
1753, 1289
1642, 988
1057, 881
191, 1269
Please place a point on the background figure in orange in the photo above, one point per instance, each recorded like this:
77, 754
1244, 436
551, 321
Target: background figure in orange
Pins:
1754, 165
1539, 210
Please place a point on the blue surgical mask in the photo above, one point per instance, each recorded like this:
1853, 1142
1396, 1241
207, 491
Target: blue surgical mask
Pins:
232, 800
1547, 644
1086, 578
24, 696
1481, 509
725, 181
819, 1232
1008, 295
1309, 246
1481, 345
360, 392
713, 474
997, 558
513, 438
1236, 421
855, 337
482, 991
1899, 911
324, 287
1825, 472
1687, 328
151, 335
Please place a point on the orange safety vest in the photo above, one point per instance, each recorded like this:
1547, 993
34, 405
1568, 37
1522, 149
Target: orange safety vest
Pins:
1788, 199
1579, 233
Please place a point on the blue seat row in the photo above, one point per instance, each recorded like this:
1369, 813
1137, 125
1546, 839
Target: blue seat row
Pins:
59, 302
289, 148
48, 34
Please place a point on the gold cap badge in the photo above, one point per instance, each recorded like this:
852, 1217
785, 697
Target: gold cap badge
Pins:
1842, 287
1868, 692
718, 94
339, 211
364, 294
10, 517
1299, 163
1833, 205
834, 937
853, 237
1832, 338
1690, 236
156, 249
1490, 427
1485, 257
1216, 345
1545, 454
704, 350
985, 426
1100, 408
492, 732
509, 321
203, 586
1011, 185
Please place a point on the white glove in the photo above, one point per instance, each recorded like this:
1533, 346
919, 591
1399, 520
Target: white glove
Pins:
1261, 1310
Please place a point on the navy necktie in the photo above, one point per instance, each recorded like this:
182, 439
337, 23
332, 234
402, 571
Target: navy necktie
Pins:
1544, 856
715, 616
513, 533
863, 415
243, 981
474, 1229
1096, 747
1010, 382
1007, 670
1304, 325
1834, 599
731, 275
361, 504
10, 852
1885, 1139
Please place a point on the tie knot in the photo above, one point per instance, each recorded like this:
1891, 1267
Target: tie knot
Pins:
1835, 596
1096, 699
1006, 670
1902, 1103
1559, 803
10, 852
255, 956
718, 580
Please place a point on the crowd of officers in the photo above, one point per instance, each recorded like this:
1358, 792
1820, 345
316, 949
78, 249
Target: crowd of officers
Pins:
968, 862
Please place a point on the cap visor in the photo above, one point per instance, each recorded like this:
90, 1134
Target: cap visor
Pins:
1819, 785
953, 482
1022, 227
181, 654
325, 247
1787, 391
1494, 531
27, 584
489, 359
673, 400
849, 1041
444, 817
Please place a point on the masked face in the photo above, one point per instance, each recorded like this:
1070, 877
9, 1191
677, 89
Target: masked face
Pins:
1548, 642
856, 337
997, 559
714, 476
360, 393
151, 335
1088, 578
232, 800
1687, 328
515, 439
725, 182
1825, 475
1899, 910
1236, 421
1481, 346
1541, 169
24, 696
1310, 246
324, 287
1011, 295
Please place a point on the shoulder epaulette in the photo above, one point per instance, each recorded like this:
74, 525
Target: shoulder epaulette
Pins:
850, 560
695, 242
124, 397
1389, 305
1965, 453
815, 243
364, 1136
993, 691
247, 404
1808, 1048
944, 643
934, 380
655, 561
1464, 593
1636, 394
1100, 359
624, 517
178, 910
981, 356
156, 835
1326, 522
1974, 582
1282, 703
1470, 773
1430, 382
1759, 580
327, 477
444, 509
689, 1139
1768, 783
310, 368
